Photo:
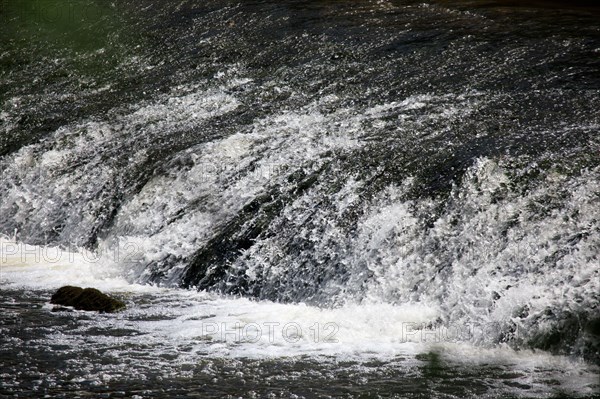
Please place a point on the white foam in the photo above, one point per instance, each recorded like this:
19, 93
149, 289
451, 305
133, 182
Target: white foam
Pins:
179, 327
49, 268
284, 329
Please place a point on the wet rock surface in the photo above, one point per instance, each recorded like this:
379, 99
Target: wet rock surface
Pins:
89, 299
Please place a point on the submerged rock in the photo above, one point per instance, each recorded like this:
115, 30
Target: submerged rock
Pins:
568, 333
86, 299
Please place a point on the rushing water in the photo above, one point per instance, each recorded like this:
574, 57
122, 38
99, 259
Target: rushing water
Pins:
301, 198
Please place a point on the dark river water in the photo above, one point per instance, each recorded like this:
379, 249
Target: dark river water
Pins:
301, 198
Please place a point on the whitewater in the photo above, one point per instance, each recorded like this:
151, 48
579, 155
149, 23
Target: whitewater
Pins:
301, 199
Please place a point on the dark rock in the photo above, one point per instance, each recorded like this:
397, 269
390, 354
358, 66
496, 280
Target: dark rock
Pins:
593, 327
564, 331
66, 295
86, 299
61, 309
568, 333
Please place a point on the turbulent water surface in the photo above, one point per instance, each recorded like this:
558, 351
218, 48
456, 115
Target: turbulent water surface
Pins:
301, 198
